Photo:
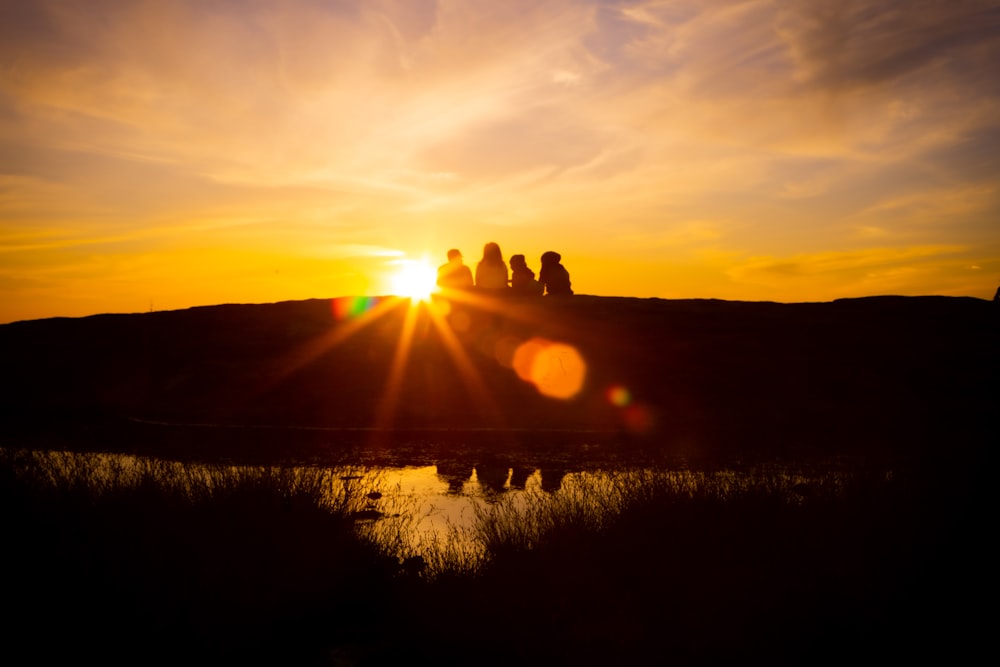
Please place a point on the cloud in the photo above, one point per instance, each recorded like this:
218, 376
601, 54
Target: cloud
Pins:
677, 234
767, 270
325, 91
886, 270
845, 44
771, 129
305, 88
935, 212
536, 137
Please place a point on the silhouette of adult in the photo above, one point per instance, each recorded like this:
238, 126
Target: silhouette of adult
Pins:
454, 274
552, 479
492, 474
522, 279
491, 271
553, 275
996, 296
455, 473
519, 475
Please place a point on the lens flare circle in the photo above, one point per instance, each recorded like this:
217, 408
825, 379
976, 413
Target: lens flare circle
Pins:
352, 307
619, 396
556, 369
638, 419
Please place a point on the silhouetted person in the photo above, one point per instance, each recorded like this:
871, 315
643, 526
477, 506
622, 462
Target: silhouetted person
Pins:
491, 271
554, 276
996, 296
522, 279
492, 475
454, 274
454, 473
552, 480
519, 474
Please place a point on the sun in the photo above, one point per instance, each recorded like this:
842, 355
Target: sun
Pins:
414, 279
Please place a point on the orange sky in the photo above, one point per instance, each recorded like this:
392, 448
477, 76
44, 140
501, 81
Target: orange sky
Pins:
159, 155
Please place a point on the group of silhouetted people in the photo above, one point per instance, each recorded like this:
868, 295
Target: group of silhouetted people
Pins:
493, 275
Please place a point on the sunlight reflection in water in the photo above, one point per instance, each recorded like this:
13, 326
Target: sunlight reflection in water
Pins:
443, 512
427, 508
424, 512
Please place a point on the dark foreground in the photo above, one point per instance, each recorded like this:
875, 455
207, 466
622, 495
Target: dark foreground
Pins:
883, 566
899, 392
696, 379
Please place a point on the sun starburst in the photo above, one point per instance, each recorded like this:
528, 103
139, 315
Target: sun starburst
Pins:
415, 279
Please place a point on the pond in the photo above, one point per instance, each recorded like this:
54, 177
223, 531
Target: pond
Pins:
445, 513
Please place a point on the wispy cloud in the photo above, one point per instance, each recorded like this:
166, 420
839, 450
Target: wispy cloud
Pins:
876, 270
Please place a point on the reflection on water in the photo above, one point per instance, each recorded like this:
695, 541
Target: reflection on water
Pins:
490, 477
447, 511
422, 507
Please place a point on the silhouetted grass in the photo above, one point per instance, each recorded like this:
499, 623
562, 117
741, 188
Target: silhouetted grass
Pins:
115, 554
721, 568
143, 561
589, 504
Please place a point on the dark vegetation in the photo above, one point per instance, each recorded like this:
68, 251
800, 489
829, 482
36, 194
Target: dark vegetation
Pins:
261, 567
898, 394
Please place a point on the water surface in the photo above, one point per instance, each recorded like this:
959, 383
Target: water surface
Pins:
446, 507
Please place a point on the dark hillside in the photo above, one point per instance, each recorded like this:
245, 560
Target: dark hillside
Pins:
876, 374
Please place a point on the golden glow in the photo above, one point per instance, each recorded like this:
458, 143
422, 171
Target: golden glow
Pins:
414, 279
557, 370
292, 151
400, 358
460, 359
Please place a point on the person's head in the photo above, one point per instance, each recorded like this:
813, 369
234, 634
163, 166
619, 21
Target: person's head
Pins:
492, 254
454, 255
517, 262
550, 257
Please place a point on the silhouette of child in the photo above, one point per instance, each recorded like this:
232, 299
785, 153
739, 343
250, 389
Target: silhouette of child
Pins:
554, 275
522, 279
